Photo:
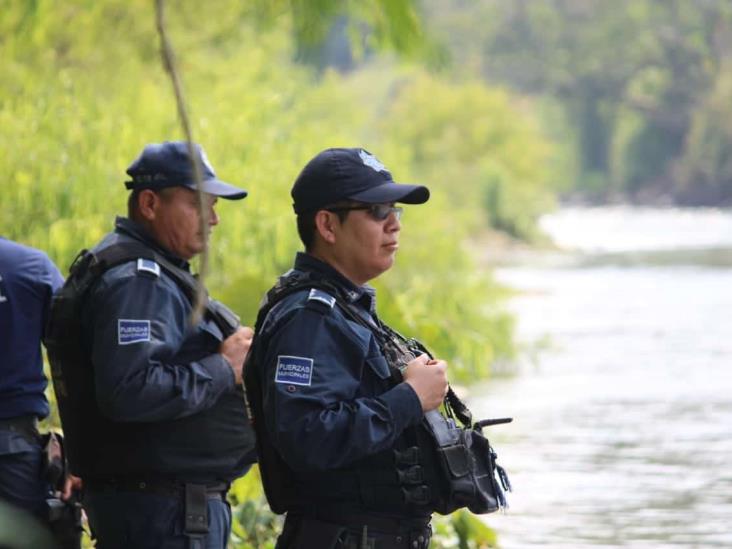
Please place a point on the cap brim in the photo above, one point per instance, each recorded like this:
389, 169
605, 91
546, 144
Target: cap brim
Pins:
221, 189
393, 192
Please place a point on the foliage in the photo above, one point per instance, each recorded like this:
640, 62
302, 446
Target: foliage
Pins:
82, 90
474, 136
705, 171
632, 77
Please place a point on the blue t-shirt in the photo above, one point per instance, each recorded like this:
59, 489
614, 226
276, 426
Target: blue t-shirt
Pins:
28, 280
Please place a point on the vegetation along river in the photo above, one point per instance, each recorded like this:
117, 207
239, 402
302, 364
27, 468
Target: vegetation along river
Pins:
623, 423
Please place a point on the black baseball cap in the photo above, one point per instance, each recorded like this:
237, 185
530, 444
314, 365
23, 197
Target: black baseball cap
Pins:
168, 164
350, 174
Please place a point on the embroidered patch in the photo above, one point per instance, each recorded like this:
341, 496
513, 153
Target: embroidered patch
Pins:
148, 266
132, 331
323, 297
294, 370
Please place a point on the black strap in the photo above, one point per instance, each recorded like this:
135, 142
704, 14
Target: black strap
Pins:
123, 252
388, 337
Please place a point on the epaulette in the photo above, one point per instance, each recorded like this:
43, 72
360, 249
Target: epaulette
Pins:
320, 300
148, 266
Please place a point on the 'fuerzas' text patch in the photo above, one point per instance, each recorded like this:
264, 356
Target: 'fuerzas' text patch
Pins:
132, 331
294, 370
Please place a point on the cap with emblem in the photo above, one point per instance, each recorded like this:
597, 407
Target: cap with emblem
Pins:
168, 164
350, 174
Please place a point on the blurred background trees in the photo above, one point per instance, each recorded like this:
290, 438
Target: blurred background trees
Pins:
637, 82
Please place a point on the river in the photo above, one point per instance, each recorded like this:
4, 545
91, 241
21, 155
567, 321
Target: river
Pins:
622, 434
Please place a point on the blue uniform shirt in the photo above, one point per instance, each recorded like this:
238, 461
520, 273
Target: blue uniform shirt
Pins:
28, 279
327, 397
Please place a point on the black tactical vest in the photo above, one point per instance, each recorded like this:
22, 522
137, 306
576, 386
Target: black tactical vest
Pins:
411, 479
216, 444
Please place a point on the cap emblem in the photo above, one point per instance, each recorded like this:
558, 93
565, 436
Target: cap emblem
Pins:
205, 162
371, 161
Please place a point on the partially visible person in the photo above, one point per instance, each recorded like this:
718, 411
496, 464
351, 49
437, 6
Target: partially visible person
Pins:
151, 402
28, 280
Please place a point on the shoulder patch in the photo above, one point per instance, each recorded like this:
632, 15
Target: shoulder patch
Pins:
294, 370
148, 266
322, 297
132, 331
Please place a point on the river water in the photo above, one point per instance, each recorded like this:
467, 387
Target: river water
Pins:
622, 434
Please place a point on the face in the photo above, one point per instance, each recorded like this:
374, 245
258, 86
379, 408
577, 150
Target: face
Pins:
174, 220
363, 247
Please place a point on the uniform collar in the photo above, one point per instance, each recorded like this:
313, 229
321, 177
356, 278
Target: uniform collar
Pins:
363, 295
124, 225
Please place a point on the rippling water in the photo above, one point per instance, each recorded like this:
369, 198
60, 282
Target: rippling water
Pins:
623, 428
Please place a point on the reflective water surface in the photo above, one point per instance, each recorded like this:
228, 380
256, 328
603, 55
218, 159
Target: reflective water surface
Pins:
623, 427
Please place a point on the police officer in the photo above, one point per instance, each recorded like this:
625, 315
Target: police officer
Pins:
153, 409
336, 424
28, 279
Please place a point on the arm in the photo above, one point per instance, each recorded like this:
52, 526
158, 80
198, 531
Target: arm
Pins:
328, 422
139, 324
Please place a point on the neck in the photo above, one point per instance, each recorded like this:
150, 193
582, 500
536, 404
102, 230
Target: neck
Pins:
332, 260
149, 230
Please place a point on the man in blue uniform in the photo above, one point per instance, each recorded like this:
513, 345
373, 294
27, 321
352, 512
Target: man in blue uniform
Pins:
153, 406
28, 279
336, 403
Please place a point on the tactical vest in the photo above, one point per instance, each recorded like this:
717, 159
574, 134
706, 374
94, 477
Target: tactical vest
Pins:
98, 447
431, 467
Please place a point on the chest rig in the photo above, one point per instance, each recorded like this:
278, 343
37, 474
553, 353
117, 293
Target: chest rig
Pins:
90, 437
439, 465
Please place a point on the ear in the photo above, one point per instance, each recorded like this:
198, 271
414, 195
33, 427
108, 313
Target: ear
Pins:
325, 225
147, 204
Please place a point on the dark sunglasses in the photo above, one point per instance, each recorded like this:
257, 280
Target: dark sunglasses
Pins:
378, 211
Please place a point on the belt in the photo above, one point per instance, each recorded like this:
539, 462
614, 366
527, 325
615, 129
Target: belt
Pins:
379, 523
358, 530
419, 539
24, 425
160, 487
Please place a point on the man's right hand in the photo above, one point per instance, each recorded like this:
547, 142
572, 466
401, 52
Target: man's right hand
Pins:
235, 349
428, 378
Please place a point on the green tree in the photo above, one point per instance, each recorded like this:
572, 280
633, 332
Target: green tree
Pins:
629, 74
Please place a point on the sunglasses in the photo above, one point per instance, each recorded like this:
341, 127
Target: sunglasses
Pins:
378, 211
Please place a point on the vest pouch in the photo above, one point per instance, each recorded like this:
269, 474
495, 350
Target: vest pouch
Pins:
466, 464
489, 496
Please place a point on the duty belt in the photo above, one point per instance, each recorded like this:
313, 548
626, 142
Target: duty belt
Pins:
195, 499
23, 425
160, 487
371, 531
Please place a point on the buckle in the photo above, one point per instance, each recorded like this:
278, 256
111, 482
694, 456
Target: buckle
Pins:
410, 456
418, 495
411, 475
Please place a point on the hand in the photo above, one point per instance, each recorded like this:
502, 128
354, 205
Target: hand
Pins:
235, 349
428, 378
71, 484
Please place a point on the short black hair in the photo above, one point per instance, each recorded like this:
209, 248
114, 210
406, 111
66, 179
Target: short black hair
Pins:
133, 201
133, 206
306, 223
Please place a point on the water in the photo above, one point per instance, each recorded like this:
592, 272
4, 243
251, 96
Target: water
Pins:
623, 428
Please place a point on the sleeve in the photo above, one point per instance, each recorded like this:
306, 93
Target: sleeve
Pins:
53, 276
139, 324
52, 282
311, 378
